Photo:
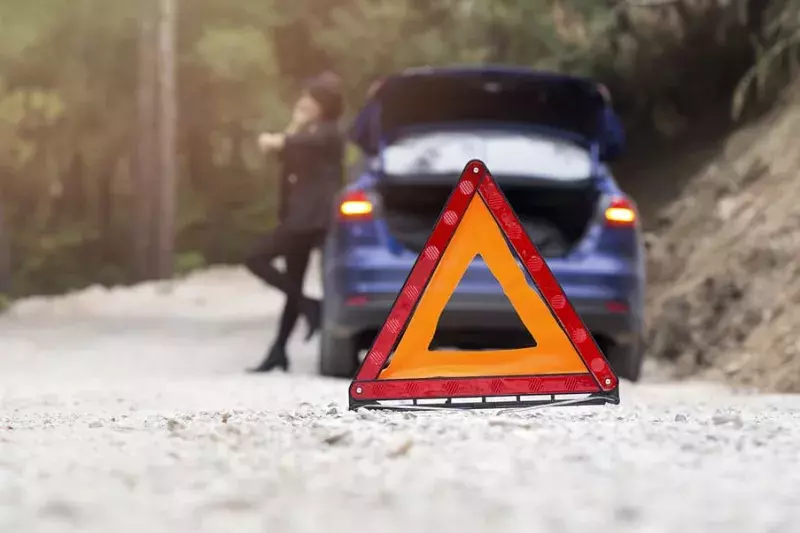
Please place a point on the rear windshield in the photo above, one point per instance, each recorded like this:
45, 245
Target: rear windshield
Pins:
505, 153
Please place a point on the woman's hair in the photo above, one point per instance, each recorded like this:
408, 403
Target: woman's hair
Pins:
326, 89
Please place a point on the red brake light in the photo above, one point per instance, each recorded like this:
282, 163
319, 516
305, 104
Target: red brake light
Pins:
617, 307
355, 204
620, 212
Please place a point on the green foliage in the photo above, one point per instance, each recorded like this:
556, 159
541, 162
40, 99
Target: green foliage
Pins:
776, 40
188, 262
68, 95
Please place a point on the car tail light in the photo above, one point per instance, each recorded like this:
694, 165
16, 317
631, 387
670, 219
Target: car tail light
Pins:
620, 212
357, 300
617, 307
355, 204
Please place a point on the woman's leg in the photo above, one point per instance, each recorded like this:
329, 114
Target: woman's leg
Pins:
296, 267
279, 242
296, 250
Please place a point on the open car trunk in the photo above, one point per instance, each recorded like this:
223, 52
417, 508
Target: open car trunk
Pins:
539, 134
555, 216
571, 105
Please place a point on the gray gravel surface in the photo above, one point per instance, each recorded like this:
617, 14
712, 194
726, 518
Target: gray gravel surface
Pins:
128, 411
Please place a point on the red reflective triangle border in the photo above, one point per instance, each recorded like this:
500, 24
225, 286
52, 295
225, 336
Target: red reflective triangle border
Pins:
367, 386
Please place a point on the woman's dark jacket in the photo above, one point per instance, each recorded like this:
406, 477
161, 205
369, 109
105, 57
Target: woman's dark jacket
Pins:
311, 175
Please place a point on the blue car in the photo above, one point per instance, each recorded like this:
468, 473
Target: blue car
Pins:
547, 139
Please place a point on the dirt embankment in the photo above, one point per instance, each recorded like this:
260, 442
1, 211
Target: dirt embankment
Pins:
724, 273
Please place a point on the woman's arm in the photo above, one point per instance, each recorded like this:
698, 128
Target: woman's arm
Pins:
326, 135
273, 142
323, 135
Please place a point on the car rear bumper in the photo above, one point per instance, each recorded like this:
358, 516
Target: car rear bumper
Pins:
479, 313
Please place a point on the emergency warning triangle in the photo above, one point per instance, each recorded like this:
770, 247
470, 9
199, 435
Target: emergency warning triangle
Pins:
478, 221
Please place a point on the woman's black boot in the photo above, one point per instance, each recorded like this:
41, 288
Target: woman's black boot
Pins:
311, 309
276, 358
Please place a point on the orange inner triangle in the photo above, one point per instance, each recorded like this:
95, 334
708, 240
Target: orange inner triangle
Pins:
479, 234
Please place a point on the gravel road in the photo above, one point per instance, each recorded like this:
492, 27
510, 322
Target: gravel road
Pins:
127, 410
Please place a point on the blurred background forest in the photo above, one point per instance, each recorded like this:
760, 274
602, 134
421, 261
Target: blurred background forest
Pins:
74, 141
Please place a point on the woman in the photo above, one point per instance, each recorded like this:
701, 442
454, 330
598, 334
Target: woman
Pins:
311, 152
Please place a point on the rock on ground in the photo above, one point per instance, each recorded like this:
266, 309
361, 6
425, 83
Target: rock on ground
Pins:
128, 411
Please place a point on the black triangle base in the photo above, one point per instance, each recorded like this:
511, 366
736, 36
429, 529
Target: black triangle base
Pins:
494, 402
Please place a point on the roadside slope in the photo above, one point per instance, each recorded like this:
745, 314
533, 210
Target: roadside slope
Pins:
724, 293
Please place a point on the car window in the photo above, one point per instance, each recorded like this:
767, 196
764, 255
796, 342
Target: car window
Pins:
505, 153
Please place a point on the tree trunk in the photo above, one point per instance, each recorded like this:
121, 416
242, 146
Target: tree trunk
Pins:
5, 255
167, 136
146, 163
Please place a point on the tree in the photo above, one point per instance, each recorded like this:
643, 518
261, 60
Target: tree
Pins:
146, 167
157, 171
167, 138
5, 258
